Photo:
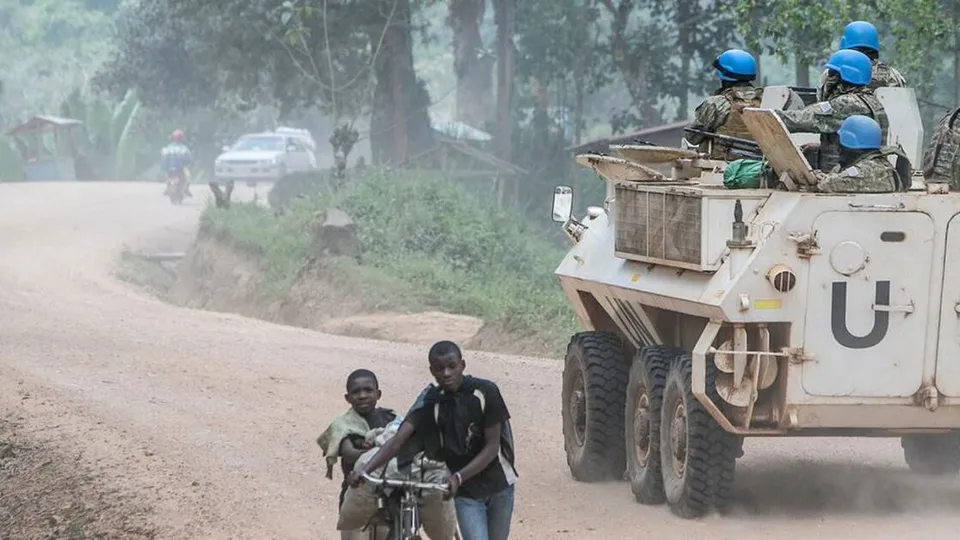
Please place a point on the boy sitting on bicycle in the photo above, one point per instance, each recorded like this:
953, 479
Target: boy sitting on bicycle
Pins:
345, 439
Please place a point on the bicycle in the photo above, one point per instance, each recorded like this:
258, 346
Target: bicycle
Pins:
400, 508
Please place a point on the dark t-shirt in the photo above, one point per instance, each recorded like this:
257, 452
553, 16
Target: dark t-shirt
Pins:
452, 428
377, 418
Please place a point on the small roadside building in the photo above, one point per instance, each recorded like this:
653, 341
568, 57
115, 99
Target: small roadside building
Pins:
46, 148
460, 153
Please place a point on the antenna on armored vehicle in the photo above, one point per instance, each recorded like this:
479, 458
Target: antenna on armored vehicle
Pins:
738, 244
739, 229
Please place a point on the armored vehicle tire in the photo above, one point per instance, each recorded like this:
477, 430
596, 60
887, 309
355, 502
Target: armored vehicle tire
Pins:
697, 456
932, 454
642, 422
594, 388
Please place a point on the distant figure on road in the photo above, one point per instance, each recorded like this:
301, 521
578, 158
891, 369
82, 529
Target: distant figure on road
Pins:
175, 158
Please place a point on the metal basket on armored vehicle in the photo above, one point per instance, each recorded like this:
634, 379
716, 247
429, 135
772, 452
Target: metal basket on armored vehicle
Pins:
714, 314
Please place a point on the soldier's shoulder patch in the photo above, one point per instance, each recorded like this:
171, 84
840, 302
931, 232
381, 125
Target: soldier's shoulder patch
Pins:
852, 171
823, 107
709, 104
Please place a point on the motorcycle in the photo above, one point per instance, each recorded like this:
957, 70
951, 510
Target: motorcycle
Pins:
177, 185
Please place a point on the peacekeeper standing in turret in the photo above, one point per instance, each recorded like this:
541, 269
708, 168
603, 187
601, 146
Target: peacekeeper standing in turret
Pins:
846, 94
722, 112
941, 158
862, 36
863, 165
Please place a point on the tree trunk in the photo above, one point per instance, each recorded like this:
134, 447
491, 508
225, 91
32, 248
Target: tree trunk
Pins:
956, 56
631, 68
956, 78
756, 56
579, 98
473, 68
540, 94
505, 11
400, 122
683, 14
756, 17
802, 71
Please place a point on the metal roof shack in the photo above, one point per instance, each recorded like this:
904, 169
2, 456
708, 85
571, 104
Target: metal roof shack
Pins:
42, 163
43, 124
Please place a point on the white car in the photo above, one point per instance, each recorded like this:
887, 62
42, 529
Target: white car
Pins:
264, 157
297, 132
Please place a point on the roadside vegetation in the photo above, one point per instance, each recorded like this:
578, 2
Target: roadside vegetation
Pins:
425, 240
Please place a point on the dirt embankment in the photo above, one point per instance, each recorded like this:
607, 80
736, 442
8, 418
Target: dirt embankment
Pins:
48, 493
326, 295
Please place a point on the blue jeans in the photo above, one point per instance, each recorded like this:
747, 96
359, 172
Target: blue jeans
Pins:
485, 519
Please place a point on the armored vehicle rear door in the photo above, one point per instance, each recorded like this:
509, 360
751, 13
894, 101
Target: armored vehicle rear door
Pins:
948, 350
868, 298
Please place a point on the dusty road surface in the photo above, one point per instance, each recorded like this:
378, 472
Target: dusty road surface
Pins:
210, 419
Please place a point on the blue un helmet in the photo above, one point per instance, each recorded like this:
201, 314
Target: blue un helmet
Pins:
736, 65
853, 66
860, 132
860, 34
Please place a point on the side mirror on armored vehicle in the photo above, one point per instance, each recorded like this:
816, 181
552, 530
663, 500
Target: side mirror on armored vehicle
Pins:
562, 203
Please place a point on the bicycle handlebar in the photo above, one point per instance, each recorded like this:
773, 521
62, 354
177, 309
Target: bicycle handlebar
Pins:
405, 484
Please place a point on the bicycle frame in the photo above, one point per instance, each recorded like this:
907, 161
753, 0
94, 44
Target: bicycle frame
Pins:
405, 512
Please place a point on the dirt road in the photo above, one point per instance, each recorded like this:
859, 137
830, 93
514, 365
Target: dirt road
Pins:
211, 418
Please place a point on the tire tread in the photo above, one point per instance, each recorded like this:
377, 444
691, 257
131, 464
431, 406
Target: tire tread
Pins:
605, 383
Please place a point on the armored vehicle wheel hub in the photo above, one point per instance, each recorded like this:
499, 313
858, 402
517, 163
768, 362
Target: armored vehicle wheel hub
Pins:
641, 428
678, 438
578, 410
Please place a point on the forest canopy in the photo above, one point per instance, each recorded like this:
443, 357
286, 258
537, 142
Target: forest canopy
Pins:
538, 75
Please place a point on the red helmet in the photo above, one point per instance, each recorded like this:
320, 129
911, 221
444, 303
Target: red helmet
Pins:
177, 135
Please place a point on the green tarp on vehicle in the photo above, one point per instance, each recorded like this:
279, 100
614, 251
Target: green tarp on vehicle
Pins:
743, 174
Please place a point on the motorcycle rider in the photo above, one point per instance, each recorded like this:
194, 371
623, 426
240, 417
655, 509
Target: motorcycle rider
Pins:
175, 158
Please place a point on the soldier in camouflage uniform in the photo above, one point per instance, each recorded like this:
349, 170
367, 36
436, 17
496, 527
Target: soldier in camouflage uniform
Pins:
862, 36
863, 166
940, 159
722, 112
849, 96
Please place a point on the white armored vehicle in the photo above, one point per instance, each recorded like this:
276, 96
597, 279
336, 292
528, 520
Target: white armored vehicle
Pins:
715, 314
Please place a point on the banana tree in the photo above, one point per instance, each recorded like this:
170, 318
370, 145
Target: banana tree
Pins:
107, 143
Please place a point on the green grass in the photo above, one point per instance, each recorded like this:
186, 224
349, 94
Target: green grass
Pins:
424, 239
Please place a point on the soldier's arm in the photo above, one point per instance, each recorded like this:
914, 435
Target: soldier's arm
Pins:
705, 118
865, 177
897, 79
815, 118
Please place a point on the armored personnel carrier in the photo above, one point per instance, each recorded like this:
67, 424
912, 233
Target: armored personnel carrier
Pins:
714, 314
